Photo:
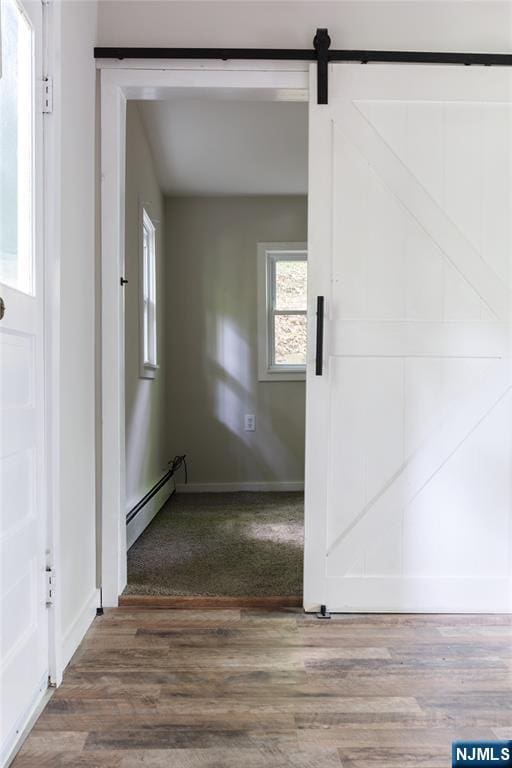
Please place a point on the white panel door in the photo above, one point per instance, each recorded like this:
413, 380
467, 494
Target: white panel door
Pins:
23, 613
409, 461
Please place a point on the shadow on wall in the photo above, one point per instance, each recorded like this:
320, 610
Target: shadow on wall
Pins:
213, 361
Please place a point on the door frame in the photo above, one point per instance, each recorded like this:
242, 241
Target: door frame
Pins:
51, 245
149, 80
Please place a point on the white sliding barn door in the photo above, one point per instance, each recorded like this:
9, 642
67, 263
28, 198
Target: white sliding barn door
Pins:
409, 462
23, 529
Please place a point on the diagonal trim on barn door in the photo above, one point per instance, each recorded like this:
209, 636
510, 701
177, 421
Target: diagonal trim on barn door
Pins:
401, 338
421, 467
422, 207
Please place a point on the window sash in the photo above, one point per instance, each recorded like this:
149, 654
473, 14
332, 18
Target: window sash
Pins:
149, 356
272, 312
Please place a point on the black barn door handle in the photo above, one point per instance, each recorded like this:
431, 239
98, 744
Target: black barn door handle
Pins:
319, 335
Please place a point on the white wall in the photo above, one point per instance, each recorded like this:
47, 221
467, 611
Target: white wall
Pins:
213, 367
145, 399
405, 24
77, 577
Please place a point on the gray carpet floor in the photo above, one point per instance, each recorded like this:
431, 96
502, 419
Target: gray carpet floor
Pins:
233, 544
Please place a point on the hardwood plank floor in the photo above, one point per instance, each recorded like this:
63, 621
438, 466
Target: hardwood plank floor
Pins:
250, 688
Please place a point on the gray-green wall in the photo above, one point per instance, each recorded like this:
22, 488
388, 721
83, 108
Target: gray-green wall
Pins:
212, 342
145, 399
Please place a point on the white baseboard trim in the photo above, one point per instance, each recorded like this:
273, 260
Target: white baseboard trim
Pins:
79, 627
233, 487
141, 521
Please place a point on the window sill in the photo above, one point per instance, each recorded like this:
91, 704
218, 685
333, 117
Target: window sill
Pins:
275, 375
148, 371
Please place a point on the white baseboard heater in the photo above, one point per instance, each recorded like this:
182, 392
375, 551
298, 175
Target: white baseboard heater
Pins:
174, 465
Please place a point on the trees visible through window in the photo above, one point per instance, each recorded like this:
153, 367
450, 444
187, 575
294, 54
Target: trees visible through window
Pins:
289, 289
149, 357
285, 310
16, 149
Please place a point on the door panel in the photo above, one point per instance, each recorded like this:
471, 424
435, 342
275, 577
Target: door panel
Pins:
409, 464
23, 530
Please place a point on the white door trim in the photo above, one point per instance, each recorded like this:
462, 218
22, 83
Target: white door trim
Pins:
52, 311
270, 81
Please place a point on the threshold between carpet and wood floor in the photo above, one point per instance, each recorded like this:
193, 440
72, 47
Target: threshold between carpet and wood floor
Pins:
220, 550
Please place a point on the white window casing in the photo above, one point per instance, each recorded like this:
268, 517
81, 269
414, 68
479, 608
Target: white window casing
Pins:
269, 255
148, 308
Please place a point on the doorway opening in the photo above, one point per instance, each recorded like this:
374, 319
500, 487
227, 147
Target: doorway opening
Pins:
215, 310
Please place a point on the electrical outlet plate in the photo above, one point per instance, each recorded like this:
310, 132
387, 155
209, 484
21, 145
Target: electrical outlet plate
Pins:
249, 422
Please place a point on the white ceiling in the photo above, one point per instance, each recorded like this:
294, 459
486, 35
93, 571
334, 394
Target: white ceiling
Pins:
228, 147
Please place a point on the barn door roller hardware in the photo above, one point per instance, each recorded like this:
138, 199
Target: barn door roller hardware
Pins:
321, 53
324, 613
321, 45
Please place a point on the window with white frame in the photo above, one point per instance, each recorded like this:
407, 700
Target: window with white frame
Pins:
148, 297
17, 158
282, 311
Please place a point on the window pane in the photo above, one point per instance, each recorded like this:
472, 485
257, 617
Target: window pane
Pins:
145, 268
290, 339
16, 149
291, 284
146, 331
149, 290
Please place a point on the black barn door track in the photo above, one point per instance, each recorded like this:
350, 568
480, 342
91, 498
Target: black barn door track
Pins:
321, 53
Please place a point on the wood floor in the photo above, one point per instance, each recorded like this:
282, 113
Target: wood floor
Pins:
252, 689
